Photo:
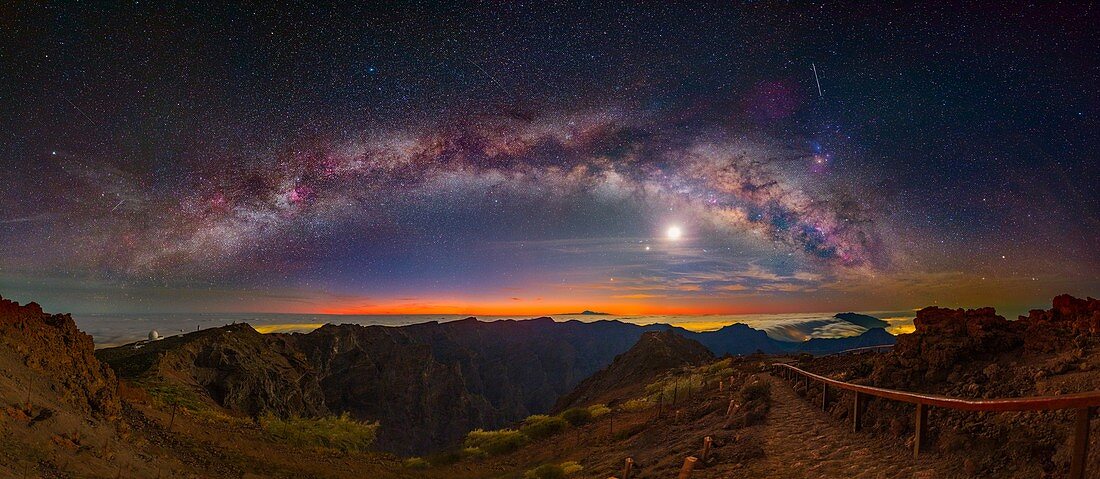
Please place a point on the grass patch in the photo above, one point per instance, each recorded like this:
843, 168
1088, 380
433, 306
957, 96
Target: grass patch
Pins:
756, 399
175, 395
598, 410
629, 431
497, 442
416, 463
334, 432
634, 405
675, 389
554, 471
541, 426
577, 416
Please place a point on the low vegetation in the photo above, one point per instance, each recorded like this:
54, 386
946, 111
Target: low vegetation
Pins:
334, 432
755, 400
416, 463
598, 410
679, 388
497, 442
554, 471
175, 396
541, 426
480, 443
577, 416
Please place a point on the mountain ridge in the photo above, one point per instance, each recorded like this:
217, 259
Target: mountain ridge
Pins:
470, 373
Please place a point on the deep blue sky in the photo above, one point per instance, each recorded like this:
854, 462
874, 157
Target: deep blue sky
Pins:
521, 157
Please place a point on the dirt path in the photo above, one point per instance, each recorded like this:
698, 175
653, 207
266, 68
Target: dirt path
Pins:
801, 441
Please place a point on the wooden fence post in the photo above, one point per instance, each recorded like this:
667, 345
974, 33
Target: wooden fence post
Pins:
921, 429
730, 409
1079, 461
857, 411
689, 465
172, 420
707, 441
628, 467
824, 395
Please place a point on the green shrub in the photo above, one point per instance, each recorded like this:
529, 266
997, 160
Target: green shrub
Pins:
332, 432
546, 471
675, 389
473, 453
755, 402
175, 395
577, 416
416, 463
542, 426
722, 368
757, 391
598, 410
554, 471
571, 467
638, 404
496, 442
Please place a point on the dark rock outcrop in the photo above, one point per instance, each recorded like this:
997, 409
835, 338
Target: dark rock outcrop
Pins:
976, 353
1067, 319
944, 339
234, 366
629, 372
428, 384
52, 346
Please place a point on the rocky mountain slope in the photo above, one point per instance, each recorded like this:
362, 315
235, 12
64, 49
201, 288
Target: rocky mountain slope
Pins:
64, 414
630, 372
469, 374
977, 353
233, 367
204, 404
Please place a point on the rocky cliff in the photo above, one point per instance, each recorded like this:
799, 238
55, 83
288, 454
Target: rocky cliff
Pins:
629, 372
59, 354
234, 367
427, 384
976, 353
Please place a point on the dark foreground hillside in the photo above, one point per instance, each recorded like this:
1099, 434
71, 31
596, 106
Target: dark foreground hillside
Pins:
230, 402
425, 384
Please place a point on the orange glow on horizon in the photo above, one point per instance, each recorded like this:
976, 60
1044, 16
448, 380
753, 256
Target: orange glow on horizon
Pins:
546, 308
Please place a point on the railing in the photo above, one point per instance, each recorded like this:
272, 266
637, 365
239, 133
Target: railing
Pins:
865, 349
1082, 402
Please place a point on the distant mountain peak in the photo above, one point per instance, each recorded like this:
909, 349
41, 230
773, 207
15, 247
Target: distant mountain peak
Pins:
586, 312
869, 322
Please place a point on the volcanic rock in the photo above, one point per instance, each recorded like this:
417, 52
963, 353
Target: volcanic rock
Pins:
655, 352
233, 366
52, 346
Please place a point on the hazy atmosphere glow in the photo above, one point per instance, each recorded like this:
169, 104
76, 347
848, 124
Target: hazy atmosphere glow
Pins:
534, 160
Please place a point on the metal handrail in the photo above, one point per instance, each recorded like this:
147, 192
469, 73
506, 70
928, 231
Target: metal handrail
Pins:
1083, 403
1033, 403
860, 350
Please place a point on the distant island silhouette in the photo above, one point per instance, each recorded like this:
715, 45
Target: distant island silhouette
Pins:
585, 313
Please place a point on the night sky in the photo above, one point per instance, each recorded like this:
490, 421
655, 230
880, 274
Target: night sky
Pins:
531, 158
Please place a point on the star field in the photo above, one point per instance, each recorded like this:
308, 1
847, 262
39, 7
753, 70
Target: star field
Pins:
536, 158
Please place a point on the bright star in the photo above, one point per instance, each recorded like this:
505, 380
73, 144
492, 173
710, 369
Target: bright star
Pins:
674, 233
